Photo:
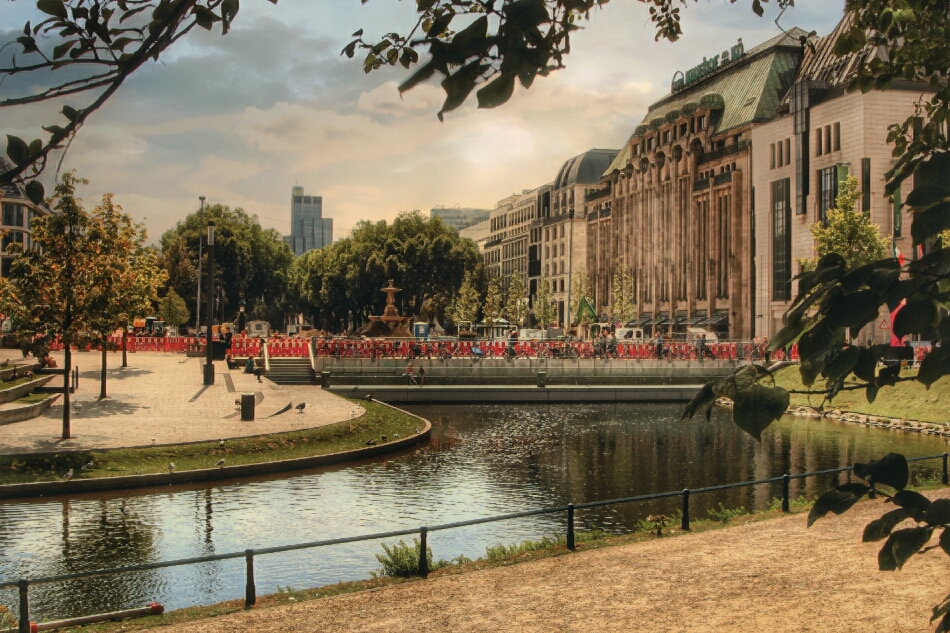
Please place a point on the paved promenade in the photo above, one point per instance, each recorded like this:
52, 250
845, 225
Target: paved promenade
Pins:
160, 398
775, 575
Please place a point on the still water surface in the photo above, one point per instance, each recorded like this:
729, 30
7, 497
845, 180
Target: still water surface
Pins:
481, 461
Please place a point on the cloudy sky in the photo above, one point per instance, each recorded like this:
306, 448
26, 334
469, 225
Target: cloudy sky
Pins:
241, 119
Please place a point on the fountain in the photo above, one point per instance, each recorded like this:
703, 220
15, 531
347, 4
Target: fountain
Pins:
390, 324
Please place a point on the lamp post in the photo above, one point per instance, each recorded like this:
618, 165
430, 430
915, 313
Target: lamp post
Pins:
201, 215
209, 366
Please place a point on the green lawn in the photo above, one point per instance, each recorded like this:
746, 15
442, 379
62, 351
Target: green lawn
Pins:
379, 420
910, 400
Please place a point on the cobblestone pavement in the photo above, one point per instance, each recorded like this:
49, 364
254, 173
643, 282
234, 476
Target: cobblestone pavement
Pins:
159, 398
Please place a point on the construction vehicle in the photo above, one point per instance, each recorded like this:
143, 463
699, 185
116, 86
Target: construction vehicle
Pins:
148, 326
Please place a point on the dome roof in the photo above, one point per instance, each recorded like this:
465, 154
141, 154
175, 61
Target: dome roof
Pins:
585, 169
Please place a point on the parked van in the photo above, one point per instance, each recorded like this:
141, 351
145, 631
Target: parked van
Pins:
628, 333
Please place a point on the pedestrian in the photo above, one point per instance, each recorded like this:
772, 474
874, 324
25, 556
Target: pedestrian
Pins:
700, 344
755, 347
408, 374
422, 375
659, 346
765, 348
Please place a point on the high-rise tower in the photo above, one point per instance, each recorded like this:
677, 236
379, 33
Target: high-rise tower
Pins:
308, 228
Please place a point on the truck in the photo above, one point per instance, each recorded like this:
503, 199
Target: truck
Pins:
148, 326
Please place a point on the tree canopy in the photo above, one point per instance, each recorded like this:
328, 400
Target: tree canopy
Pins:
852, 235
339, 286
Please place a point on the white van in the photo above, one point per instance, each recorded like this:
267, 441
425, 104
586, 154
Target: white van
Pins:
628, 333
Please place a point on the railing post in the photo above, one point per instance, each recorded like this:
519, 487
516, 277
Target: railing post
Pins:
24, 626
945, 480
250, 591
570, 526
423, 561
685, 524
786, 478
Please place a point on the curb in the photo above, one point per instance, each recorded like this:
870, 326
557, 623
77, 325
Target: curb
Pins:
79, 486
28, 412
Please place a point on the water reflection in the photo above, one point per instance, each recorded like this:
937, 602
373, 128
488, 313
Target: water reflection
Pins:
482, 460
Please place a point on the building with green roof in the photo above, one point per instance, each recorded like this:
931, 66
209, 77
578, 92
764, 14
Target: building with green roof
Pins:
675, 204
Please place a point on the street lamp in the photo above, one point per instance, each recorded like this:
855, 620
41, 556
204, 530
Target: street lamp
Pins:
201, 215
209, 366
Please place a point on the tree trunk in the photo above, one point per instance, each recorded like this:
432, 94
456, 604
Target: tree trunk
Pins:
66, 376
102, 372
125, 346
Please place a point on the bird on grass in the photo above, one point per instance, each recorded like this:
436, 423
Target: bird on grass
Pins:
89, 465
153, 441
6, 362
368, 396
221, 443
68, 475
171, 467
355, 388
220, 463
300, 407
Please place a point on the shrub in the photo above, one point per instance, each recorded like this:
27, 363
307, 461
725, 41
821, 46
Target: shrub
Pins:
724, 514
402, 560
501, 552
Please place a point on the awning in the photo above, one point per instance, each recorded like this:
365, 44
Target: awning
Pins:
663, 319
718, 318
698, 317
679, 318
645, 318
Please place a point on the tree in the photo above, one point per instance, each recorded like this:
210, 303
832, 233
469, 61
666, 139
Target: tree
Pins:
125, 276
850, 234
465, 306
516, 305
49, 284
580, 289
173, 310
544, 310
77, 49
621, 301
492, 309
249, 261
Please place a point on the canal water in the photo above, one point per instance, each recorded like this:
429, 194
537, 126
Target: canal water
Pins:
481, 461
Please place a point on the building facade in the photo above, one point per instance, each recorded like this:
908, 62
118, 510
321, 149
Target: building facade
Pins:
16, 216
675, 206
460, 218
823, 135
309, 230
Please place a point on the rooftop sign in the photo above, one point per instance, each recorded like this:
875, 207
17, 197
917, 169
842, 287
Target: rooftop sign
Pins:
707, 67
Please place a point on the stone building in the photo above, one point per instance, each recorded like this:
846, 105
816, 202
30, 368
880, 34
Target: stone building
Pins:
563, 230
513, 222
675, 205
16, 217
823, 135
459, 218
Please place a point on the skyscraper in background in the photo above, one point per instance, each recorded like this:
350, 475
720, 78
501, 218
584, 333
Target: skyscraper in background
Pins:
308, 228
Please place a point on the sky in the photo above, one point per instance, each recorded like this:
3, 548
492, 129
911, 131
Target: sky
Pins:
240, 119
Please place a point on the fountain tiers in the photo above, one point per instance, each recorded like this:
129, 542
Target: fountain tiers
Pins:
390, 324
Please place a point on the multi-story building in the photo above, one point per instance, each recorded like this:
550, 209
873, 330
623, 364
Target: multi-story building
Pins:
480, 232
563, 230
15, 219
498, 223
536, 245
459, 217
308, 228
823, 135
675, 205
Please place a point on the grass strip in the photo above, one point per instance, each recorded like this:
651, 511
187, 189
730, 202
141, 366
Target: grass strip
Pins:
378, 421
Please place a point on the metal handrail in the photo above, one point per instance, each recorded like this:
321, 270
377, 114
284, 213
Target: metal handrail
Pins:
251, 592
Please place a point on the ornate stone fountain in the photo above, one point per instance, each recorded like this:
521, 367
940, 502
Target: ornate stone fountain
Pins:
390, 324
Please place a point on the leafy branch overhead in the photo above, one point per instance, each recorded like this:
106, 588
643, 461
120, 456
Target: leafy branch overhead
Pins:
90, 47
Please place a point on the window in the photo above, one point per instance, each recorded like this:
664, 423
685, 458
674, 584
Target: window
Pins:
772, 152
547, 270
562, 249
547, 252
562, 230
547, 235
781, 241
837, 136
701, 122
827, 139
818, 142
562, 267
788, 151
12, 215
562, 284
666, 137
827, 191
554, 286
866, 185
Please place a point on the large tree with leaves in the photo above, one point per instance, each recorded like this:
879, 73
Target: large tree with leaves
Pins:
621, 300
516, 304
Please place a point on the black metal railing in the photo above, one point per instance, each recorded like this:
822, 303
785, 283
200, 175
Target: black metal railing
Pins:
727, 150
250, 592
723, 178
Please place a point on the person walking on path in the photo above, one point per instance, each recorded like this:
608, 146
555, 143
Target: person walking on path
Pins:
659, 346
422, 375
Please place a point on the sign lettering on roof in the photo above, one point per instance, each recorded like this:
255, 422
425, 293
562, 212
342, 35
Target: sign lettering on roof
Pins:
708, 66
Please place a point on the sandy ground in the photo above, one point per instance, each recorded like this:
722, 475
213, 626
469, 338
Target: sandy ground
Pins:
161, 396
769, 576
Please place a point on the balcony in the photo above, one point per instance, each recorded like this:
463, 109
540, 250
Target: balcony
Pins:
700, 185
722, 152
597, 194
723, 178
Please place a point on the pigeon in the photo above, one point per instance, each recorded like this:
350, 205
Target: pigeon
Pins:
171, 467
6, 362
221, 443
69, 475
355, 388
153, 441
220, 463
371, 443
368, 396
300, 407
89, 465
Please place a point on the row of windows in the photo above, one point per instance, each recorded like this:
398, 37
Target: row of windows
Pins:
548, 233
781, 151
828, 139
695, 124
547, 251
552, 269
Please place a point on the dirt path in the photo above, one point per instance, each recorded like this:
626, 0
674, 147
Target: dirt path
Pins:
768, 576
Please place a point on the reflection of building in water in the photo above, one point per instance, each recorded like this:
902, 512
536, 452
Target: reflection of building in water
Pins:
309, 230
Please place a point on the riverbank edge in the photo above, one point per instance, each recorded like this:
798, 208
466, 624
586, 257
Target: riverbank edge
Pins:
125, 482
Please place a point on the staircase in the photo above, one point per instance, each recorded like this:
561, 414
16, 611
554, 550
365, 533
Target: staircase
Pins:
291, 371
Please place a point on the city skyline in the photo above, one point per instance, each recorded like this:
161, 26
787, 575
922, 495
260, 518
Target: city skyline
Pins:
242, 118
